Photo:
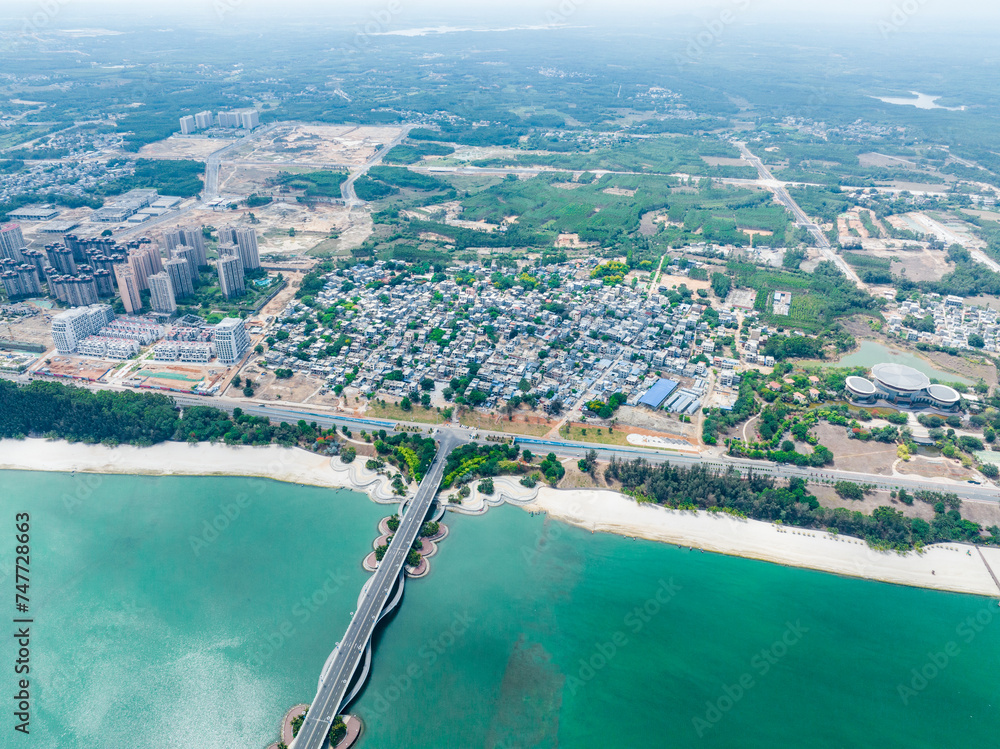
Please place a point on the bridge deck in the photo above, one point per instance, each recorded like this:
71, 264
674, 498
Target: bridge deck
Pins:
330, 698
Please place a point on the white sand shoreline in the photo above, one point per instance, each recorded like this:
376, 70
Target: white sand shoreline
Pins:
948, 567
291, 465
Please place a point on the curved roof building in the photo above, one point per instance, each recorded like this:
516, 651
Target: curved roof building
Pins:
902, 386
944, 395
860, 388
900, 378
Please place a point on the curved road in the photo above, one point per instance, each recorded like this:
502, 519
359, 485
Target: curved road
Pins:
347, 187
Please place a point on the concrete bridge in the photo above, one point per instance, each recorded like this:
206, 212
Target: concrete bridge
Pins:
347, 667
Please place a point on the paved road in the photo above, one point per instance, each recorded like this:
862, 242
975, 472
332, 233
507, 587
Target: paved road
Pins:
211, 190
347, 188
781, 193
348, 654
973, 492
985, 492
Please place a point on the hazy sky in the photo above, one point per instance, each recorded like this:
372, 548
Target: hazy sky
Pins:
914, 14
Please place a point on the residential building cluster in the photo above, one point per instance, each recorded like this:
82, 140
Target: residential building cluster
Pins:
96, 331
76, 178
569, 340
955, 323
82, 271
245, 119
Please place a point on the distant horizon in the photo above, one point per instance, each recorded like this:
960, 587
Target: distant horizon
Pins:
914, 16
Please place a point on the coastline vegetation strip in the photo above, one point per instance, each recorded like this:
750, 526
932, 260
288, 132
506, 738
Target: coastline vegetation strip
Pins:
58, 411
761, 498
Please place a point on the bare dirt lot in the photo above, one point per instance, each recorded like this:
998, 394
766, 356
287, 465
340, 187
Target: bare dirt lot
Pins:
178, 375
828, 497
523, 422
35, 329
855, 455
671, 281
177, 147
296, 389
970, 366
316, 145
657, 423
984, 513
743, 298
879, 159
723, 161
78, 367
936, 468
918, 265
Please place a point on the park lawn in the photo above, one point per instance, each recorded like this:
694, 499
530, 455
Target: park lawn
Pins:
396, 413
575, 432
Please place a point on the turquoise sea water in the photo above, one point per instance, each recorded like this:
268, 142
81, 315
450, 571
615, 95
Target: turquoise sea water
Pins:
528, 633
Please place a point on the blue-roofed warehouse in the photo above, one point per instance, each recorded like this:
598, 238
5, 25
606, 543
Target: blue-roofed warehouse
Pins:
655, 396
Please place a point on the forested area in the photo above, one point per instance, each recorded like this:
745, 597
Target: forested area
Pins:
762, 498
411, 153
818, 298
57, 411
178, 177
322, 184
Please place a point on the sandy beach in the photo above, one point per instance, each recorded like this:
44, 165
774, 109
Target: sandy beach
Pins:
950, 567
181, 459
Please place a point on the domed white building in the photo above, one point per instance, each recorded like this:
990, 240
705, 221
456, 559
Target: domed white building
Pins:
902, 386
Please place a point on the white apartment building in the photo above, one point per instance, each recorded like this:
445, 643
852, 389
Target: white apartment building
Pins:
108, 348
69, 328
231, 340
185, 351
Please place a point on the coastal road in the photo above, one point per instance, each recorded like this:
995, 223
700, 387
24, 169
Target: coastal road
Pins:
972, 492
985, 492
781, 193
349, 652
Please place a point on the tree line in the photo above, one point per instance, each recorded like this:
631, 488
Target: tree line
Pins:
762, 498
58, 411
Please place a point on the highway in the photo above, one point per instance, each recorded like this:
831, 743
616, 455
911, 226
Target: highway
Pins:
985, 492
349, 652
211, 188
781, 193
347, 187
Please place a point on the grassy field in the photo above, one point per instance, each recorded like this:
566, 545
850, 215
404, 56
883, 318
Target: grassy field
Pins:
595, 434
327, 248
478, 420
393, 411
